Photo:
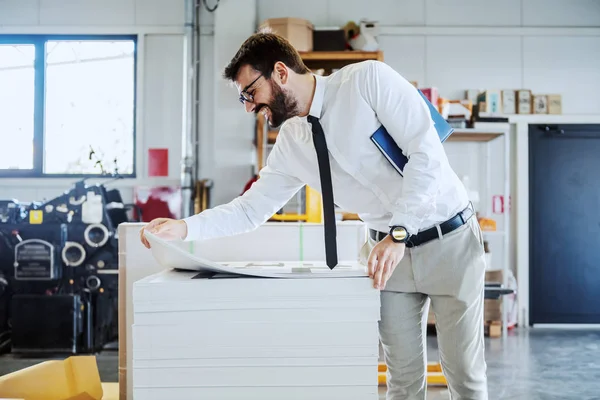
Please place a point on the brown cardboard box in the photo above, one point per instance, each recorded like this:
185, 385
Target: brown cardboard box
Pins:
492, 310
493, 276
298, 31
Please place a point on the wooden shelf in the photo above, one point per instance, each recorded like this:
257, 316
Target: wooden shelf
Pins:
341, 55
330, 60
474, 135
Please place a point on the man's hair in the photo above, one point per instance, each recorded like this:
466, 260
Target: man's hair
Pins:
261, 51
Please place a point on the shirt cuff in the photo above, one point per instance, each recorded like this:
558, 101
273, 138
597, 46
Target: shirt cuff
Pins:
194, 228
408, 221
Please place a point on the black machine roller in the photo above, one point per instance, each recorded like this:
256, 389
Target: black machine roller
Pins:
59, 271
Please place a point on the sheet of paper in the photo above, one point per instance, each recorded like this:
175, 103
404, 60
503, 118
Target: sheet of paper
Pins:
169, 255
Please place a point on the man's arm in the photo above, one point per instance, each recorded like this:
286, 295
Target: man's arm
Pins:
247, 212
407, 119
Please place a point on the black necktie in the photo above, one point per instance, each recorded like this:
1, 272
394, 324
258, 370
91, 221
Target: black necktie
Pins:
326, 191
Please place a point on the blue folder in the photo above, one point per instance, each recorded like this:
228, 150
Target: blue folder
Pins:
390, 150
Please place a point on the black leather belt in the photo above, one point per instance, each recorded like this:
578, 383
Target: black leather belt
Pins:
432, 233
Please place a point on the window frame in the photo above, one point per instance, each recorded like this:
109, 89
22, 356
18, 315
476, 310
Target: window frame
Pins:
39, 41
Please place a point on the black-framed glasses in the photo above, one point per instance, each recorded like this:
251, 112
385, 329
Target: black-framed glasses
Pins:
244, 95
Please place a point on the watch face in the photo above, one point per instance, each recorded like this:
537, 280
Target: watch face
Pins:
399, 234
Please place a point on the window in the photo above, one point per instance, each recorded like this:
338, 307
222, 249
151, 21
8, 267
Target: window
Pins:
67, 105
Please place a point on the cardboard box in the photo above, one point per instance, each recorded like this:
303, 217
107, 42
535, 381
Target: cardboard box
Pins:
493, 276
492, 310
329, 40
298, 31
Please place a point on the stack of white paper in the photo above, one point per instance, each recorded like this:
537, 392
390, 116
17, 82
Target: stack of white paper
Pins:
229, 337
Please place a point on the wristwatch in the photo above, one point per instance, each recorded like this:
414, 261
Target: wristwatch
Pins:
399, 234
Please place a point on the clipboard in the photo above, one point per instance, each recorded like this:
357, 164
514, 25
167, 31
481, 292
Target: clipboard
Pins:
389, 148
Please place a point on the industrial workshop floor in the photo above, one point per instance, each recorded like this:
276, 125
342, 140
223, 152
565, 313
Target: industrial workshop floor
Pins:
540, 364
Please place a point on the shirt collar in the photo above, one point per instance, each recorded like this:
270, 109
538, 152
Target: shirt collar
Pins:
316, 106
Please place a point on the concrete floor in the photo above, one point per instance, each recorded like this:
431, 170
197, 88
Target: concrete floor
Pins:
537, 364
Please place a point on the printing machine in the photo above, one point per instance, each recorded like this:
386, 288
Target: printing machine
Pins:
59, 271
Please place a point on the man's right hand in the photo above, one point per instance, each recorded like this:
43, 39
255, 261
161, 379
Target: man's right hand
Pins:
164, 228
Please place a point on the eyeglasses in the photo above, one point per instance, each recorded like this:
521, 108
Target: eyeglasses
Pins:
244, 95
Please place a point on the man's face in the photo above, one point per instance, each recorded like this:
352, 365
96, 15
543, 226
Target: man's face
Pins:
266, 96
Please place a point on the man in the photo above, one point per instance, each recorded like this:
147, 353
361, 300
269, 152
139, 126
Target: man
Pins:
434, 249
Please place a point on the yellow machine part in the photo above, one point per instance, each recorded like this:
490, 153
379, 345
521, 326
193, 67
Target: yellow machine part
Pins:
76, 378
312, 209
313, 205
434, 374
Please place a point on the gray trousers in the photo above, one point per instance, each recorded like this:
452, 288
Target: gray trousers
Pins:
449, 273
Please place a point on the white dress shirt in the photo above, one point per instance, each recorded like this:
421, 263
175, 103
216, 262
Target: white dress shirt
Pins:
352, 104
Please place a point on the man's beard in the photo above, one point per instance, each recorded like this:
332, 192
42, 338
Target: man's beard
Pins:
282, 106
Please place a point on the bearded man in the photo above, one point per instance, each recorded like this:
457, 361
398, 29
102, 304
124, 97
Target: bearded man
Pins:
424, 245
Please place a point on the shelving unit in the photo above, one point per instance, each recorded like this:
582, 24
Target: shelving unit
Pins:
485, 136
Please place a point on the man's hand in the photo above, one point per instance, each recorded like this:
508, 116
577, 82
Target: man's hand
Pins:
383, 260
164, 228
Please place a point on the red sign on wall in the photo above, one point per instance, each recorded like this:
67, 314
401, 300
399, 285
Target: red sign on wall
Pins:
158, 162
498, 204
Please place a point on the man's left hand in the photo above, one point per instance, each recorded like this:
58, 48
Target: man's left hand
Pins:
383, 260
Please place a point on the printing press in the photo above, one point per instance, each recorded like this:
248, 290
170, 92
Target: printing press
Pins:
59, 271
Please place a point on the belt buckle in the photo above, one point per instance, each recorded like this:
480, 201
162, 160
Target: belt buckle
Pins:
463, 213
469, 210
